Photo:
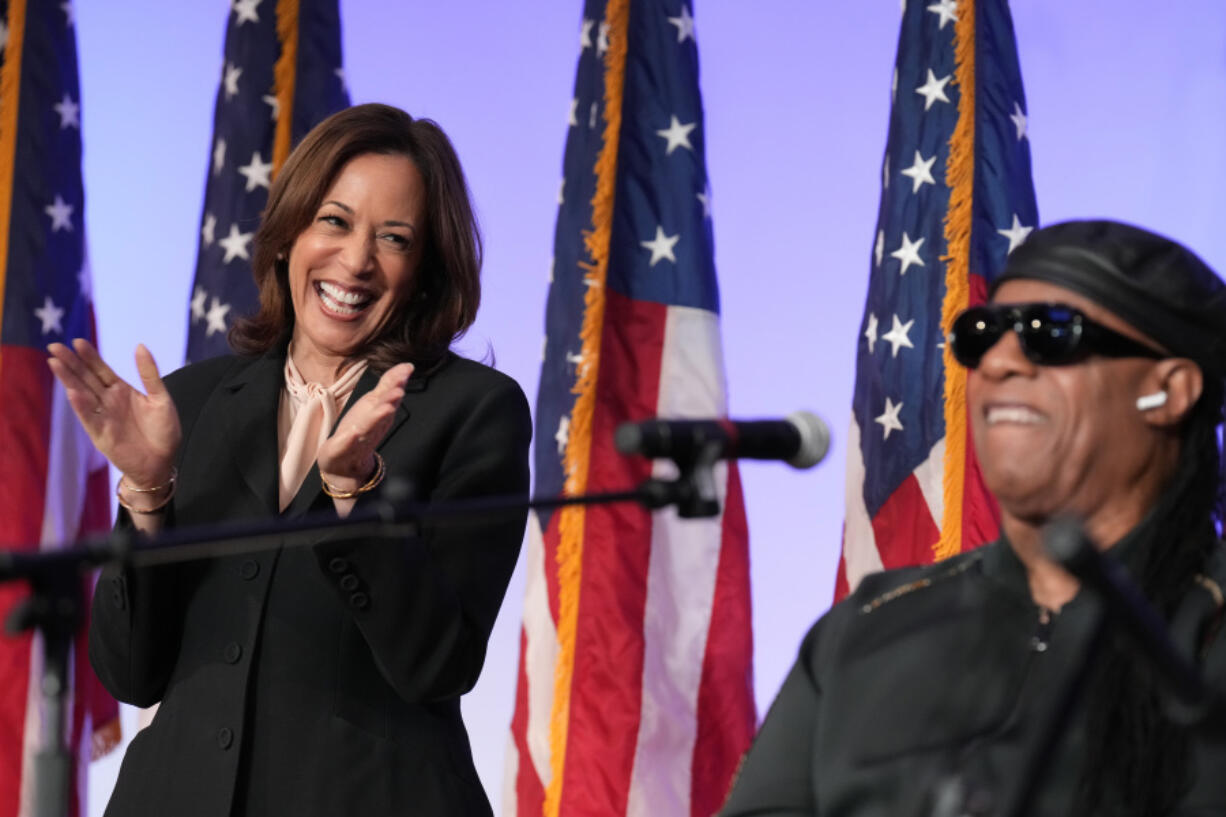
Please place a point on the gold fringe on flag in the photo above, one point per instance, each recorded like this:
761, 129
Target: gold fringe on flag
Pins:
578, 445
284, 76
960, 178
10, 98
105, 738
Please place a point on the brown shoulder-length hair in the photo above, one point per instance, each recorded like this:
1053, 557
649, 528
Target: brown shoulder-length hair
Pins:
447, 287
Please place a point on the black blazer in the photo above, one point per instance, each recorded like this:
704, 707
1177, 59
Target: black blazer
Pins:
323, 680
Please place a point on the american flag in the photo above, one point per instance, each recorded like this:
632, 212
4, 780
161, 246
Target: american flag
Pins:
956, 199
53, 484
281, 76
635, 677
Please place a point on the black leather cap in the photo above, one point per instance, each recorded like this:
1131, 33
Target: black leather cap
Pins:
1153, 283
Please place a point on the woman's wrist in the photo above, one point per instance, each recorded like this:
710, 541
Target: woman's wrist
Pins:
138, 498
340, 486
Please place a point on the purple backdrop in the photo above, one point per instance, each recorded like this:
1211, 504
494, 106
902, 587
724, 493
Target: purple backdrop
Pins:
1127, 106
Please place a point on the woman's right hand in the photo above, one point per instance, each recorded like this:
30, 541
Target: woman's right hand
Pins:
138, 433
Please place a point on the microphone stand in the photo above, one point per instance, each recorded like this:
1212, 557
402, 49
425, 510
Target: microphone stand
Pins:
55, 577
1190, 701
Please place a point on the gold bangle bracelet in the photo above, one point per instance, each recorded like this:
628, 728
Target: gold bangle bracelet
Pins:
170, 483
174, 475
335, 493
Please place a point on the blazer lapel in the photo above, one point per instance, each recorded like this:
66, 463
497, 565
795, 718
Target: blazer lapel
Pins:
251, 398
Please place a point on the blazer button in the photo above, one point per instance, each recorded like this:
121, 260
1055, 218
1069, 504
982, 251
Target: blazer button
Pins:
249, 569
233, 652
349, 582
224, 738
338, 565
359, 601
118, 600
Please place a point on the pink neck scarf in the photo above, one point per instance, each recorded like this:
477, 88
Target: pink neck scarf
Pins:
305, 419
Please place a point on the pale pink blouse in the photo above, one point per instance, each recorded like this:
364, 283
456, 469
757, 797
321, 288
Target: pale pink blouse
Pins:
304, 420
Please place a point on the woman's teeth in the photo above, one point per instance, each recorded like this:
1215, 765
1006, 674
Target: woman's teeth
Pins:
340, 300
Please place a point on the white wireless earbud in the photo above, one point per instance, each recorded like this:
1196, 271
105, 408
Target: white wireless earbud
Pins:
1151, 401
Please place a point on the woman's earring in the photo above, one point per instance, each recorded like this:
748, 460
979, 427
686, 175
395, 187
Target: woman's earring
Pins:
1151, 401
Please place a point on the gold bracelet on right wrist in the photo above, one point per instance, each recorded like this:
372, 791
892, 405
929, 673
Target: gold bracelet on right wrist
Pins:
170, 494
336, 493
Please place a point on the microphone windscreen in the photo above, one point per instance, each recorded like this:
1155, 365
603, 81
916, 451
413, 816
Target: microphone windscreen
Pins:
814, 439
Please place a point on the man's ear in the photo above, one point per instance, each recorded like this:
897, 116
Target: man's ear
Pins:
1170, 390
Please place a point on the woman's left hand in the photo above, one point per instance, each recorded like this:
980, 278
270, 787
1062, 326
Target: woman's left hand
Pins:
347, 458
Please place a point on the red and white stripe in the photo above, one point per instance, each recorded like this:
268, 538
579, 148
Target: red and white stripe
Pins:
661, 692
55, 490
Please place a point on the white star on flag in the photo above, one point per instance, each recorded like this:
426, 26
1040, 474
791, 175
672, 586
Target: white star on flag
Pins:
889, 419
70, 13
206, 230
50, 315
947, 10
69, 111
870, 332
275, 104
897, 336
198, 299
1016, 234
1019, 121
705, 199
216, 317
244, 11
591, 117
562, 191
885, 172
661, 246
879, 247
573, 119
235, 244
233, 72
933, 89
920, 172
340, 74
684, 24
562, 435
219, 156
4, 35
602, 39
908, 253
677, 134
585, 35
61, 214
257, 173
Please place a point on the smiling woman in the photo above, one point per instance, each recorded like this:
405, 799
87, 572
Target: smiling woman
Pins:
404, 176
354, 266
321, 680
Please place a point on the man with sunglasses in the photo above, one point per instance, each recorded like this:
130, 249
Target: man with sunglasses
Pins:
1095, 390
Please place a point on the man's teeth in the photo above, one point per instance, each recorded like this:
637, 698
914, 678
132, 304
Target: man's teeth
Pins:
342, 300
1013, 414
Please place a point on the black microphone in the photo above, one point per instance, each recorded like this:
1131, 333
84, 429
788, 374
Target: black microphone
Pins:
1066, 542
801, 440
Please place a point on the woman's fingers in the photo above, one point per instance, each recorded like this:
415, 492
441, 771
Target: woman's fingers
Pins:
72, 362
82, 399
148, 369
89, 355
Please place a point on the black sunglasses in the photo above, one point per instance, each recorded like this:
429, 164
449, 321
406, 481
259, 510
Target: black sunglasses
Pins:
1050, 334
